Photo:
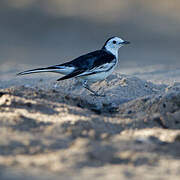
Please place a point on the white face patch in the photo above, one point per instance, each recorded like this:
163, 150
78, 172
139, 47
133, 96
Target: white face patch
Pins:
113, 45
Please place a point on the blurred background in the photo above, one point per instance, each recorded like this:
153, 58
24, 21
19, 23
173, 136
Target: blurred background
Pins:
47, 32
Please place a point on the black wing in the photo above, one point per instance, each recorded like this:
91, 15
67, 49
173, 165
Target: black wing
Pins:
73, 74
91, 60
89, 63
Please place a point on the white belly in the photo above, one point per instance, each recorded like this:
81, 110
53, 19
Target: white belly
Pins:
98, 76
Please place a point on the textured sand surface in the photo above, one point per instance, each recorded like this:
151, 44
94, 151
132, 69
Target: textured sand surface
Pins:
64, 132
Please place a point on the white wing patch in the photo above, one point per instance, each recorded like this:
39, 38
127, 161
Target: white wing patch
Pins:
99, 69
64, 69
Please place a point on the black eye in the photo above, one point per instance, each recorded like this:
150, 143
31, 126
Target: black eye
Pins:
114, 42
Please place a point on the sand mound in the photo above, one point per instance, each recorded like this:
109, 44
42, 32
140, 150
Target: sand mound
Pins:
70, 134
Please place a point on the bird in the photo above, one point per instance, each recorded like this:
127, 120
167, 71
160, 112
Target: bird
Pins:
88, 68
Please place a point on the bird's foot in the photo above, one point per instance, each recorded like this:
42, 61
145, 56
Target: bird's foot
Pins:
94, 93
98, 95
56, 84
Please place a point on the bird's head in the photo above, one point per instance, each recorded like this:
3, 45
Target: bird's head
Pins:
113, 44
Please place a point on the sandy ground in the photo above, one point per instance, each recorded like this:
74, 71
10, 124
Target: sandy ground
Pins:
63, 132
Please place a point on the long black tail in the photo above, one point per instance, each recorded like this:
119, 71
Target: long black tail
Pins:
39, 70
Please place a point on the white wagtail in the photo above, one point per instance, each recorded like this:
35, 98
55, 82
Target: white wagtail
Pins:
89, 68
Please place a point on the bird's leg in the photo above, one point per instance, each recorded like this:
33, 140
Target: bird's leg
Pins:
56, 85
86, 86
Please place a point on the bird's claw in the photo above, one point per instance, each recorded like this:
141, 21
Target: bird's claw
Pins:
98, 95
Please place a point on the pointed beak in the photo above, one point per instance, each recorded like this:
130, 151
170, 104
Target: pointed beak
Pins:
125, 42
